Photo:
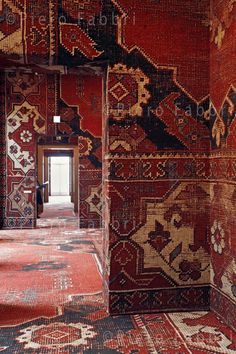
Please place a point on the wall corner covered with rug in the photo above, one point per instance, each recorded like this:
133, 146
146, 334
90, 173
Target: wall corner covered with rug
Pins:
223, 159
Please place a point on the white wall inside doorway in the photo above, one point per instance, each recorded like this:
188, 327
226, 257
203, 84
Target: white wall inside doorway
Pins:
60, 175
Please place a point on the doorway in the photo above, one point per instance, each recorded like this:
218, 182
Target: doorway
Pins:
58, 173
60, 179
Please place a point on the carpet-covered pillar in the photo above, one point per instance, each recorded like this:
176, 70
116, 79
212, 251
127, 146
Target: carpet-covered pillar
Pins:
158, 194
158, 159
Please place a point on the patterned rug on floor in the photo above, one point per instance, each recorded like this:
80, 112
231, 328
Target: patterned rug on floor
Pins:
63, 233
85, 327
57, 210
36, 280
51, 302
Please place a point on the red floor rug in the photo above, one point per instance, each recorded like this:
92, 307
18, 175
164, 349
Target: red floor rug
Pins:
64, 233
60, 210
51, 303
37, 280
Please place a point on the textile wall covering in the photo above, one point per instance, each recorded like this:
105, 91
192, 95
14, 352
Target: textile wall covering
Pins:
158, 195
2, 149
159, 158
223, 159
82, 99
32, 100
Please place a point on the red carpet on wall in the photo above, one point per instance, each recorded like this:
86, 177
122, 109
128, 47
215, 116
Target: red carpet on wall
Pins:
223, 195
2, 150
34, 99
223, 49
85, 95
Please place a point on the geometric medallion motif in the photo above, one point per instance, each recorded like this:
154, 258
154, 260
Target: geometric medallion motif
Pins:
56, 335
127, 91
